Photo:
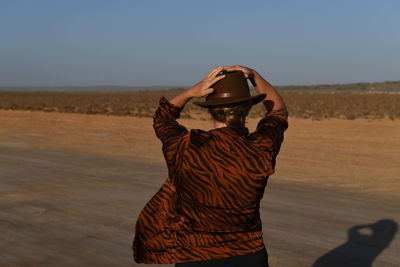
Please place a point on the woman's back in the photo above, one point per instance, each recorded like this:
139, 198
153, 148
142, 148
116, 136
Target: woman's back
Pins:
209, 205
222, 177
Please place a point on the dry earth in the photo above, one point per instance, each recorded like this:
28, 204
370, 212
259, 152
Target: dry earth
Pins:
72, 186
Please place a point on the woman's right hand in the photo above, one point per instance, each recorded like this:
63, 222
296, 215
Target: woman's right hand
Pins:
203, 87
248, 73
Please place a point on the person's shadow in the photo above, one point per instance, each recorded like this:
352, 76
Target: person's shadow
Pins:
364, 244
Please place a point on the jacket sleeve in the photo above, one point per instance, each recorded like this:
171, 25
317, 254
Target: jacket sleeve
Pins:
272, 126
169, 131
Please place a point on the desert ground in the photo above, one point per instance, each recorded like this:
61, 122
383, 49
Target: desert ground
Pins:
72, 186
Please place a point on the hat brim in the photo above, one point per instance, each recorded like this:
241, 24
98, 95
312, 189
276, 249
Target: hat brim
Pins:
231, 100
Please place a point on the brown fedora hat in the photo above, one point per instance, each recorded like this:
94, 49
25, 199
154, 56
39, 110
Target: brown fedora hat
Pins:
230, 90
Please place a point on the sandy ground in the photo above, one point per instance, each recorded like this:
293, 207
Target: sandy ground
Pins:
72, 186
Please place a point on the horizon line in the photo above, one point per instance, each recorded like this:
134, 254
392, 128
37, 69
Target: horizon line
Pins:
184, 86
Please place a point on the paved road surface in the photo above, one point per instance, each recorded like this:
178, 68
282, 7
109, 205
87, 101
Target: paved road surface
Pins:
60, 208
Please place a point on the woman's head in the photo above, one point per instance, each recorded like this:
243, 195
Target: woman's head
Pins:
233, 115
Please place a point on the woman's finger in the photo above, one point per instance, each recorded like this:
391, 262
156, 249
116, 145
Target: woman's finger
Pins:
217, 78
215, 71
231, 68
246, 71
211, 71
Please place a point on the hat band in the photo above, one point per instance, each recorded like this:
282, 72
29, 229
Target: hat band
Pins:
226, 95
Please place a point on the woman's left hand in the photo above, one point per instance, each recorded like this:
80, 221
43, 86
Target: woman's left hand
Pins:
203, 87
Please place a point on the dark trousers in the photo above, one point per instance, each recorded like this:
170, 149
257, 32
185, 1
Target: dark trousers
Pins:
254, 259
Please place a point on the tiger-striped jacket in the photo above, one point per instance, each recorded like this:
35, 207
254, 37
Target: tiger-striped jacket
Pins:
208, 207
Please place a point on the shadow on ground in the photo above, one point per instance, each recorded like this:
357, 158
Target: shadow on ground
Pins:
364, 244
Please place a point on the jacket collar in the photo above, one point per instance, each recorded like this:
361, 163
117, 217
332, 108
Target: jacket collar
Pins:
230, 131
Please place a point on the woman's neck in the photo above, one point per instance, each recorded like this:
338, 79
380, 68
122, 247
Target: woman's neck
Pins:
218, 124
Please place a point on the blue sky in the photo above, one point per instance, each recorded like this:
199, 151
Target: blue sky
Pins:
148, 42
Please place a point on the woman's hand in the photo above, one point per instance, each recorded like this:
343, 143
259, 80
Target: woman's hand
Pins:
203, 87
248, 73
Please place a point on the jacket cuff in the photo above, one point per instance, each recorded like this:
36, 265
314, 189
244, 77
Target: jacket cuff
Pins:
281, 113
171, 108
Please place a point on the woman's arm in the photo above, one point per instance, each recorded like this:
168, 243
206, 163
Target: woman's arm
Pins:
171, 133
200, 89
181, 99
274, 122
263, 86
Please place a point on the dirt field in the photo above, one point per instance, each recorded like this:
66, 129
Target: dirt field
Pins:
317, 105
72, 186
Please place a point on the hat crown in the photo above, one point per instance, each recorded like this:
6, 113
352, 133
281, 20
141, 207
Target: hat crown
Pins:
233, 85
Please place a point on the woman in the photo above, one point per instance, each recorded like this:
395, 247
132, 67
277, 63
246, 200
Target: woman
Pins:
207, 211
